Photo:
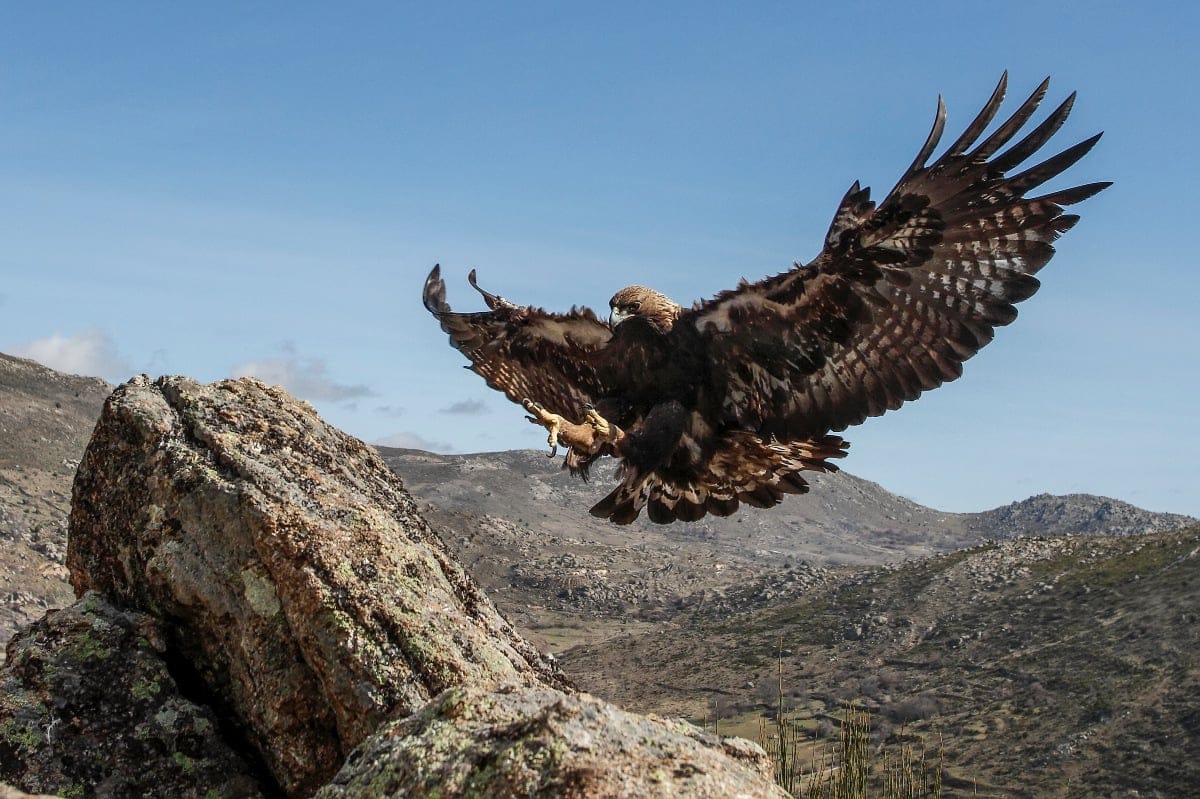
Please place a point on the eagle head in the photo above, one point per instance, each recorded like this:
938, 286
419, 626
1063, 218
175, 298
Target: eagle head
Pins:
653, 306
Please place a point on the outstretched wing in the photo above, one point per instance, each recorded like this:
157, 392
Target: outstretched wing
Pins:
526, 352
901, 294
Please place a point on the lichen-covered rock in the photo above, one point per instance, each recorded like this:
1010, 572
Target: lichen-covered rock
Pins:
539, 742
296, 575
88, 707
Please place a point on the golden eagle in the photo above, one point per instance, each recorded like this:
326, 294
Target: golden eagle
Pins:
729, 400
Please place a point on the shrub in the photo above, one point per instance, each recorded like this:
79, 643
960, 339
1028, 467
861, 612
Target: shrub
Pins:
910, 710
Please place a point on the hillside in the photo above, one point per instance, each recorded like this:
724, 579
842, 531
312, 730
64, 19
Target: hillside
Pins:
1072, 514
520, 523
843, 519
46, 419
1037, 663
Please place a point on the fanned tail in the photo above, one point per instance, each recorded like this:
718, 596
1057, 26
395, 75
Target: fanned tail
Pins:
744, 468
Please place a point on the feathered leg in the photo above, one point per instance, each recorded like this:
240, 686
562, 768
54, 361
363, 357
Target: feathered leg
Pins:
586, 438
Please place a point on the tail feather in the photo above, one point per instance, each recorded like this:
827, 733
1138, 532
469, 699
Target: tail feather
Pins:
744, 469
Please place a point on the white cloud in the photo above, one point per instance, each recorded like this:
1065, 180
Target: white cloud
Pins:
407, 440
92, 353
466, 408
303, 376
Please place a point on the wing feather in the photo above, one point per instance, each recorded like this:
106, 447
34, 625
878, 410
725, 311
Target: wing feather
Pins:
902, 293
1033, 142
980, 123
931, 141
554, 359
1013, 124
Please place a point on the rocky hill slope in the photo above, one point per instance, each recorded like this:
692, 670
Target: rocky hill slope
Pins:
46, 419
1071, 514
520, 524
843, 519
1040, 666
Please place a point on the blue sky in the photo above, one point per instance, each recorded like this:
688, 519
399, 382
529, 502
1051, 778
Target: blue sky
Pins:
234, 188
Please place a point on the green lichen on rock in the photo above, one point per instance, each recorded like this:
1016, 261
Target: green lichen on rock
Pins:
260, 592
89, 706
88, 646
146, 690
20, 736
486, 743
187, 764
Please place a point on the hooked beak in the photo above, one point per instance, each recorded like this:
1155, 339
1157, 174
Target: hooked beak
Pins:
616, 317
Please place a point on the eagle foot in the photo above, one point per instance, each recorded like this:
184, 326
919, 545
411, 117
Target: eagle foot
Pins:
586, 438
551, 421
605, 431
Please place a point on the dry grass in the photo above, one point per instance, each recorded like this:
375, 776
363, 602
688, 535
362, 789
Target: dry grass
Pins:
848, 768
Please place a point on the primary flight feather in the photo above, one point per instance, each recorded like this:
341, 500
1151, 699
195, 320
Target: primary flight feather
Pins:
728, 401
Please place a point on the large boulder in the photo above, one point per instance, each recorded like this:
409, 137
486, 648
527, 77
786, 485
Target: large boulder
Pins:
540, 742
288, 582
308, 597
89, 706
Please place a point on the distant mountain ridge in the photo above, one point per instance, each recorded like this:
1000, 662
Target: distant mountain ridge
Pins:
843, 520
1074, 514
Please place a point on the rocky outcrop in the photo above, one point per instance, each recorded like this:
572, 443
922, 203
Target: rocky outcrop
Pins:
544, 743
87, 705
298, 592
306, 593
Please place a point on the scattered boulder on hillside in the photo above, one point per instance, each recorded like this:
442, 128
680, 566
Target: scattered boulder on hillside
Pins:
301, 585
87, 704
541, 742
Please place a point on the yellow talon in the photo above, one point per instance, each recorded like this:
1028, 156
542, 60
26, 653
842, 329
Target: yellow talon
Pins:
607, 431
551, 421
585, 438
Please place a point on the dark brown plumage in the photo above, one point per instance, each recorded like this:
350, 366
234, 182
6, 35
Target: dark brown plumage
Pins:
728, 401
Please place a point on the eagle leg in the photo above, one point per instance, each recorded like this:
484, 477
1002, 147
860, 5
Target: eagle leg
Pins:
606, 431
582, 437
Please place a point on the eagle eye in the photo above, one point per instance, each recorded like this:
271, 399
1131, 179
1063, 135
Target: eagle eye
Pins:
634, 306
